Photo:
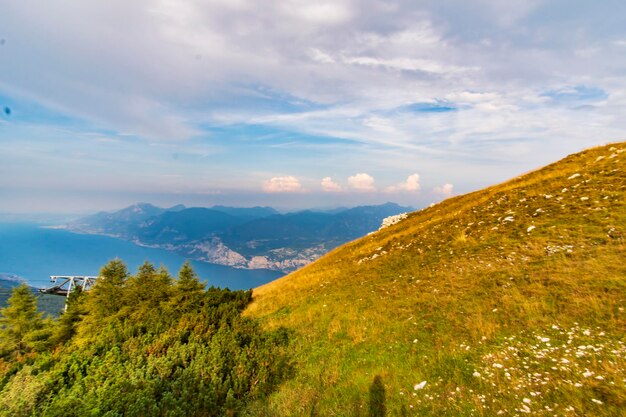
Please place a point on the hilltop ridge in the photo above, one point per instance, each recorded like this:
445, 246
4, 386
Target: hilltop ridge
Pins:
474, 306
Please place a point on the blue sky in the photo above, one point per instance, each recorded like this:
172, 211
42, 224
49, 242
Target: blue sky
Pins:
297, 103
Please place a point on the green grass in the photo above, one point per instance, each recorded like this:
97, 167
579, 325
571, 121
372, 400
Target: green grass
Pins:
444, 293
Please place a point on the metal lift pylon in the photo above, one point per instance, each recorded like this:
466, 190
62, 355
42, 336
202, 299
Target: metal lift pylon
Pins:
65, 284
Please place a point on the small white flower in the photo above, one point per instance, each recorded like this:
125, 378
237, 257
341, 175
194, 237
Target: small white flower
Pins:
597, 401
419, 386
526, 400
530, 228
576, 175
498, 365
476, 374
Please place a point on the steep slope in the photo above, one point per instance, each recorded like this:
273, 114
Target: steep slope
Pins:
505, 301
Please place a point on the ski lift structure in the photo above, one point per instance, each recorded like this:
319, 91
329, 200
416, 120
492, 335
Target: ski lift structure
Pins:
64, 285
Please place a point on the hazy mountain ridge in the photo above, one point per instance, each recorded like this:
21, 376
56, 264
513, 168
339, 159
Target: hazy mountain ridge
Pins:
506, 301
255, 238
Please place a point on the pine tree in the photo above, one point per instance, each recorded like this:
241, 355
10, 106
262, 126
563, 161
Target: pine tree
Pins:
105, 294
19, 320
66, 324
187, 290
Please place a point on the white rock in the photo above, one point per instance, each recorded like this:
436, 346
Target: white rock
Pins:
391, 220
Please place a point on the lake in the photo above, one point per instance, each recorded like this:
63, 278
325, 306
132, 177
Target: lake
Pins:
34, 253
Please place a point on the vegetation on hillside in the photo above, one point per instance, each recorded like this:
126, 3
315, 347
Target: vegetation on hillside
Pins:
506, 301
140, 345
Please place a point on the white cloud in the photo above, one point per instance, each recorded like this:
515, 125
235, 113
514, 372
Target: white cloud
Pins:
412, 184
321, 56
318, 12
362, 182
405, 64
329, 185
445, 190
288, 184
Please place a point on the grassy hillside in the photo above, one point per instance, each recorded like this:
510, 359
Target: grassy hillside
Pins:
505, 301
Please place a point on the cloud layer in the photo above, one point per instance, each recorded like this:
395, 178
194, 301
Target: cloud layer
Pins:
230, 93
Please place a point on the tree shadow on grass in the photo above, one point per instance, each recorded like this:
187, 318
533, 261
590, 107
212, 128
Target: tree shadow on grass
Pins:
377, 406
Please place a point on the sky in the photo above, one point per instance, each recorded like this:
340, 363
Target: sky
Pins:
297, 103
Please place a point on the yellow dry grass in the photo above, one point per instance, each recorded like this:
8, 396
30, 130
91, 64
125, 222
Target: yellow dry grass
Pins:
428, 298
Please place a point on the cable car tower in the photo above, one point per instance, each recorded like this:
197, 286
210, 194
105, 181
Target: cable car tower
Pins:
65, 284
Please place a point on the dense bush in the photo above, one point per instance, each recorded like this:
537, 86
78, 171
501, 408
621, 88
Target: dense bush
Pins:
141, 345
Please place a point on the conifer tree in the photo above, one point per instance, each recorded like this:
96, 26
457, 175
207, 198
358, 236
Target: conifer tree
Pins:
187, 290
19, 319
105, 294
66, 324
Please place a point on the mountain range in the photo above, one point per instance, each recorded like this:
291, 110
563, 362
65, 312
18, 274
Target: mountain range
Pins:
255, 237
